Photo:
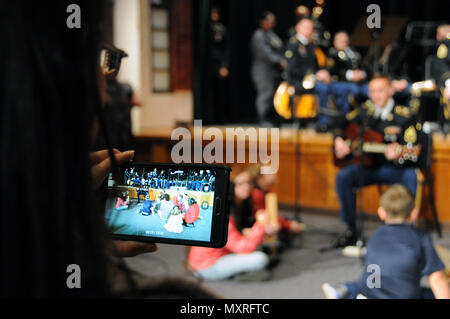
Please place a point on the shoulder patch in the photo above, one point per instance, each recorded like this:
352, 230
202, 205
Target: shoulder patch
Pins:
352, 115
369, 107
368, 104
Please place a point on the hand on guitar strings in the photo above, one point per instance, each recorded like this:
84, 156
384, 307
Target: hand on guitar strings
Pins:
341, 148
393, 152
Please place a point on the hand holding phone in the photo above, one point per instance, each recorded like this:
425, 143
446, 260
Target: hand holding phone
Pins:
132, 248
164, 203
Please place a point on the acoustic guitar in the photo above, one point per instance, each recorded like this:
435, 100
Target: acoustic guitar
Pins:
363, 148
305, 105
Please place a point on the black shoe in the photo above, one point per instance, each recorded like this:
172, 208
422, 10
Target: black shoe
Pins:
348, 238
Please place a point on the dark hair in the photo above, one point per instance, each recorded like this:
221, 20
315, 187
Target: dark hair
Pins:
243, 212
265, 15
48, 95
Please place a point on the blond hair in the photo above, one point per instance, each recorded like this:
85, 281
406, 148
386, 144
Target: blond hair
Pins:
397, 201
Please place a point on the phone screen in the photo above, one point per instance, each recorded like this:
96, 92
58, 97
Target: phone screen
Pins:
162, 202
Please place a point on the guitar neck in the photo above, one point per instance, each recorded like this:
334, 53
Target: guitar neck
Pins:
374, 148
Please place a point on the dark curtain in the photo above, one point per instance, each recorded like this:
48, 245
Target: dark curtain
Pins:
241, 19
201, 24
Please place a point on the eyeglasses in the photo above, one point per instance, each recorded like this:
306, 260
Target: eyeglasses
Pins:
110, 60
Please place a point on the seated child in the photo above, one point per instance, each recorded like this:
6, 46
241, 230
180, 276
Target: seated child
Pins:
263, 185
175, 222
165, 207
146, 209
122, 202
192, 213
180, 202
403, 254
240, 254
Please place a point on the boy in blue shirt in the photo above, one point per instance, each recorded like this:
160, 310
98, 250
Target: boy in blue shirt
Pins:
398, 256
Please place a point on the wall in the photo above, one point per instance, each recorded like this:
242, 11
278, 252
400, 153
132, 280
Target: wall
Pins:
132, 34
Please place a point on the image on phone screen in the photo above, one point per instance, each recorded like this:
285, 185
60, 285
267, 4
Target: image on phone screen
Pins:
162, 202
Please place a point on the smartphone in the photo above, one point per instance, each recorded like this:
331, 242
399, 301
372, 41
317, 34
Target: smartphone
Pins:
183, 204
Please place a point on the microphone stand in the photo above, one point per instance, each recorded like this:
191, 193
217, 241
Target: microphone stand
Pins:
361, 214
376, 34
297, 125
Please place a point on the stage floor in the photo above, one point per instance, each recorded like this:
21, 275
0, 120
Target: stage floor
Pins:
312, 153
300, 273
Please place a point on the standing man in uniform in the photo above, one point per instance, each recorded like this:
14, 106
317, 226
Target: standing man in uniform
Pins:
219, 72
268, 62
302, 61
440, 71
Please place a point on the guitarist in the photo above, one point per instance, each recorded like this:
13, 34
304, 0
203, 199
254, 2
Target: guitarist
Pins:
397, 126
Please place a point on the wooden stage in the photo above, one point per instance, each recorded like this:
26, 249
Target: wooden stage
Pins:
317, 172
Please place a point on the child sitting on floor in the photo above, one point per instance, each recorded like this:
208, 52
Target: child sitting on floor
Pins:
401, 253
264, 185
240, 254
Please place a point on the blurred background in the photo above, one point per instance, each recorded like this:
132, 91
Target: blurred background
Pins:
169, 47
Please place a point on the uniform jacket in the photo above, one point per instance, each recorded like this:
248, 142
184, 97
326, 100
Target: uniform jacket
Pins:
340, 62
301, 60
267, 51
399, 117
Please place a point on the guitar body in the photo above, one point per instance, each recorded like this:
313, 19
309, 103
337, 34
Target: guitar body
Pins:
352, 133
306, 105
321, 58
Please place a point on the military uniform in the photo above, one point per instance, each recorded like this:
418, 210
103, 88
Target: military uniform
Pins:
219, 47
383, 171
440, 67
217, 88
301, 61
342, 62
340, 65
267, 51
440, 72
